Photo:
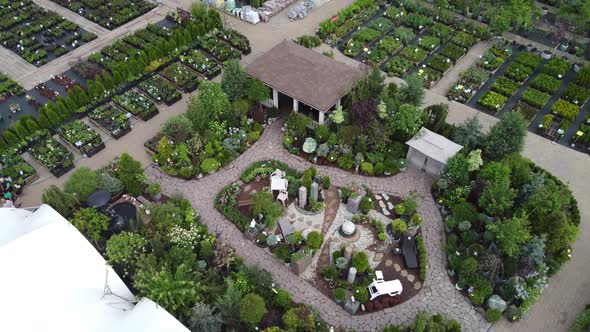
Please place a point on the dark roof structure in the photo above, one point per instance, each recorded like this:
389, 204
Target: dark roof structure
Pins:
304, 74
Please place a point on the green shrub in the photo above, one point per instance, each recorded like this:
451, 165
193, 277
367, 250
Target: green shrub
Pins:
367, 168
366, 205
330, 271
205, 250
361, 294
339, 294
209, 165
326, 182
309, 41
315, 240
423, 256
493, 315
82, 183
91, 223
283, 299
299, 319
360, 262
399, 226
252, 309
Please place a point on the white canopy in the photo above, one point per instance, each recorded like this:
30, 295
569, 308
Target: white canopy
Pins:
53, 279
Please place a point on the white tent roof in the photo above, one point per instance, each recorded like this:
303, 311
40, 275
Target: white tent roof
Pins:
53, 279
434, 145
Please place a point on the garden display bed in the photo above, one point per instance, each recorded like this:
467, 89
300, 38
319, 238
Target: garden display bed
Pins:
581, 139
217, 48
492, 101
137, 104
292, 242
9, 88
529, 112
111, 119
36, 34
151, 145
181, 76
81, 137
200, 62
160, 90
15, 167
487, 268
51, 154
235, 39
108, 13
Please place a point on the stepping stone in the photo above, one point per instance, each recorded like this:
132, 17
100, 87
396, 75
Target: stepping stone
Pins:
388, 263
378, 257
385, 197
308, 222
247, 187
411, 277
404, 273
396, 267
389, 205
253, 191
291, 216
300, 219
385, 212
417, 285
377, 197
316, 226
382, 204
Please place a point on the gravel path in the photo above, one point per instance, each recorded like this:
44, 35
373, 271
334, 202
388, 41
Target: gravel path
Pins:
438, 294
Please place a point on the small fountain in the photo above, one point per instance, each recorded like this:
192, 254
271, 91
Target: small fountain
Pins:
348, 229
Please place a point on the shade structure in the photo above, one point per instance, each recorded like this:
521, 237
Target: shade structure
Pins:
54, 280
430, 151
98, 199
305, 75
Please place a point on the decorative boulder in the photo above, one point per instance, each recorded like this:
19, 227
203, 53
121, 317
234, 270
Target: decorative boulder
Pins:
497, 303
348, 228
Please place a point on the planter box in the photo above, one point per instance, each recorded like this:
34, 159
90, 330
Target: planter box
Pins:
150, 115
301, 265
60, 172
171, 101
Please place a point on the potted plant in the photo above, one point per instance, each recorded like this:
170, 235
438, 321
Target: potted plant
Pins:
154, 190
398, 228
546, 55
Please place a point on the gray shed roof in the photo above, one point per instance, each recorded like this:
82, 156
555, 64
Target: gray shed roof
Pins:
305, 74
434, 145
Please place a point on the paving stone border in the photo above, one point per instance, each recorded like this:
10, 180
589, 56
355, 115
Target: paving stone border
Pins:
438, 294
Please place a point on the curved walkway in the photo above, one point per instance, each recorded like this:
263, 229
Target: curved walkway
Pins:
438, 293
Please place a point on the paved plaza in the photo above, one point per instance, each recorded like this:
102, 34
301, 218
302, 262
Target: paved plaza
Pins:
565, 296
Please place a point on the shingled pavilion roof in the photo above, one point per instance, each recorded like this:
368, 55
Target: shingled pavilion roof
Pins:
304, 74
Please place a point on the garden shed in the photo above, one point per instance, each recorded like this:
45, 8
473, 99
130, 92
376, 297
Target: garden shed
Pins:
308, 81
53, 279
430, 151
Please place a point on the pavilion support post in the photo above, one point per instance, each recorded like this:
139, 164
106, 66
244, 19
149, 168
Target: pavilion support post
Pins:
275, 98
295, 105
338, 103
321, 117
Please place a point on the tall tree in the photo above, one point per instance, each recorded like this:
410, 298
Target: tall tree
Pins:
131, 174
405, 122
412, 92
234, 80
469, 134
506, 137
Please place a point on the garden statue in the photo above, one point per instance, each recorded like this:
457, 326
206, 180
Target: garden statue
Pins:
348, 229
351, 275
302, 197
313, 195
348, 253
